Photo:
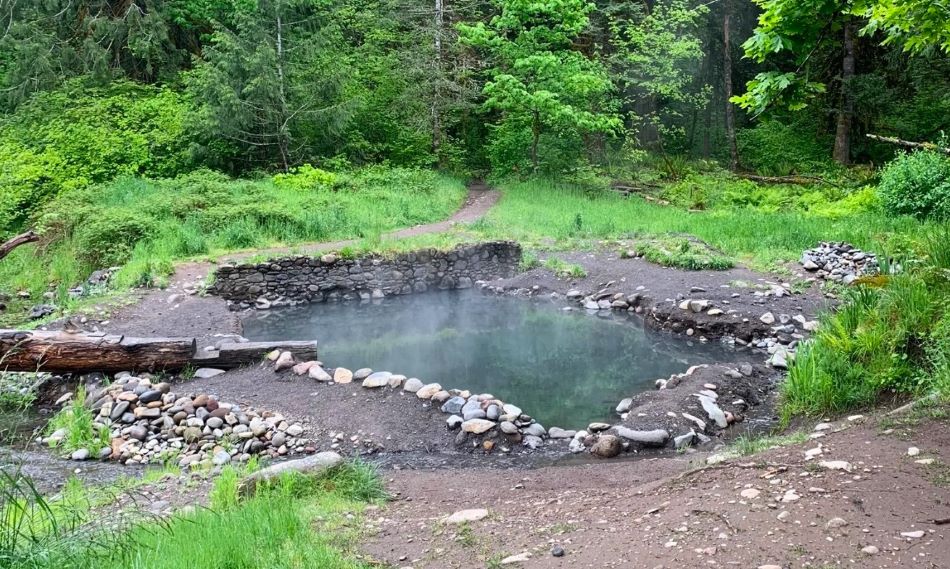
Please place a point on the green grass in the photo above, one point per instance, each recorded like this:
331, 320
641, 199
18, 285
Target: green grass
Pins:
682, 253
82, 432
541, 211
146, 225
298, 522
747, 445
563, 269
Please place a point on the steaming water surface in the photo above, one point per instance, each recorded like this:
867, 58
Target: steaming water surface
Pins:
563, 368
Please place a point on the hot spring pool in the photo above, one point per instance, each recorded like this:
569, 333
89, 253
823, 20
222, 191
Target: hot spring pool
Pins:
564, 368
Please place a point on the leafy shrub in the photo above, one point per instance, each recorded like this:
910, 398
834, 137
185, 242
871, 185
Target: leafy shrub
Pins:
690, 193
76, 136
109, 236
305, 177
917, 184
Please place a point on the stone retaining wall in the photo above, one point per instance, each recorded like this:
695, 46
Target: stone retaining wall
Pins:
301, 279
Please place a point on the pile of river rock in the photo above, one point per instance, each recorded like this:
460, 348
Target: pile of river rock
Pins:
149, 423
839, 261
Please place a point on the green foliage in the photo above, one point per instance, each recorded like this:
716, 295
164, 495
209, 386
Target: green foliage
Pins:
15, 392
264, 82
748, 445
682, 253
654, 57
145, 225
796, 29
45, 43
305, 522
107, 237
304, 178
78, 423
917, 184
890, 338
538, 81
76, 136
564, 270
37, 532
542, 210
915, 25
773, 148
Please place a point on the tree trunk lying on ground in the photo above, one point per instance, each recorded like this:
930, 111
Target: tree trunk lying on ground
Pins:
22, 239
909, 144
64, 352
799, 180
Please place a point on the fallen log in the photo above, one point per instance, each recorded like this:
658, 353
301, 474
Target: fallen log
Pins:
22, 239
798, 180
63, 352
909, 143
236, 354
66, 352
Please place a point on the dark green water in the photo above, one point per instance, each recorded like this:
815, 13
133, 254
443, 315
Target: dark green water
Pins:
563, 368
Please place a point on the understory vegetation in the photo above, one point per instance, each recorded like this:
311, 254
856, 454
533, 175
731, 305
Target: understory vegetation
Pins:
273, 528
144, 225
889, 337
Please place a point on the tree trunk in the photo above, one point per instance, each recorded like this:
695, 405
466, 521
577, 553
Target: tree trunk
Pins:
535, 138
64, 352
282, 132
842, 152
437, 95
727, 84
707, 125
22, 239
236, 354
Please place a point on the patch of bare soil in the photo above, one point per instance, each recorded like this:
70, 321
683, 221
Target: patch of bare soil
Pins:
863, 502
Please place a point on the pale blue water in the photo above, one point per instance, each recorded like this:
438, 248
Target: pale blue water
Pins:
563, 368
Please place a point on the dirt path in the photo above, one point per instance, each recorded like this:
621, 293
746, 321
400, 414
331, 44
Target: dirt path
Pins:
479, 200
776, 509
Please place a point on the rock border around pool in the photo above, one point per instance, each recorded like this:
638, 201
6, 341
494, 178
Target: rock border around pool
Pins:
481, 420
686, 410
304, 279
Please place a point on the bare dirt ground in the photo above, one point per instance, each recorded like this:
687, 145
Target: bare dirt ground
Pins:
773, 509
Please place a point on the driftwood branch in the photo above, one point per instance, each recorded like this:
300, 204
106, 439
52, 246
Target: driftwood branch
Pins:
22, 239
65, 352
909, 143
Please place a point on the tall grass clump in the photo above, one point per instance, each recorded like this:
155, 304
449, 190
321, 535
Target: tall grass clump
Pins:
77, 423
889, 337
300, 521
40, 532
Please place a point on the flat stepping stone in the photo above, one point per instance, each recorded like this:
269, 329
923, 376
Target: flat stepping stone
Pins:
467, 516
